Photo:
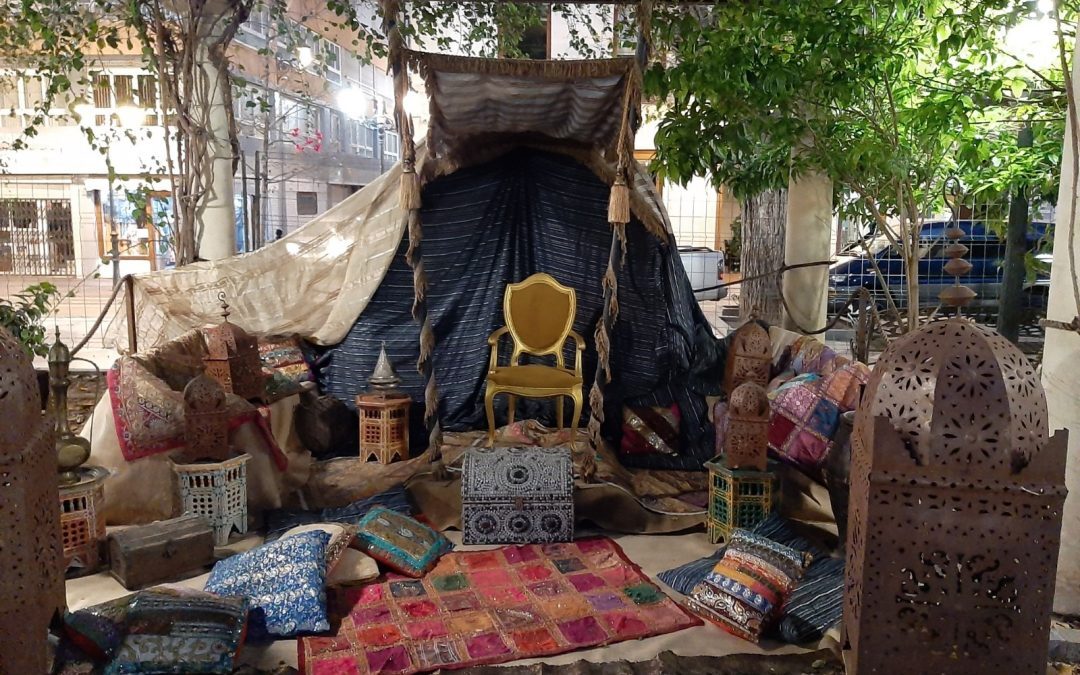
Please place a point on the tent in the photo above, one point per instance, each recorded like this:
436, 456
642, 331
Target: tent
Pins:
523, 170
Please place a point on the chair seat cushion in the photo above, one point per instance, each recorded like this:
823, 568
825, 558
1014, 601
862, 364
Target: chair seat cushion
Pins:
534, 375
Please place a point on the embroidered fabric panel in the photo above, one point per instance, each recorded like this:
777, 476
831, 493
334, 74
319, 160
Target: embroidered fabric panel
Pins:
400, 542
285, 578
177, 631
482, 607
650, 430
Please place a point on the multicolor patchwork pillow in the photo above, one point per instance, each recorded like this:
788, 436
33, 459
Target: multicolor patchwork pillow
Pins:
286, 579
400, 542
174, 631
98, 631
284, 355
649, 430
802, 422
745, 590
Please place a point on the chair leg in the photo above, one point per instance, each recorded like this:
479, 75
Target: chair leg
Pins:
559, 411
489, 406
576, 396
511, 406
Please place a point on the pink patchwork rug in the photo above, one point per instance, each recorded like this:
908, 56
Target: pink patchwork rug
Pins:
484, 607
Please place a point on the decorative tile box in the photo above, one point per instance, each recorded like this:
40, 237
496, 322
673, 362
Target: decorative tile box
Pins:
738, 498
517, 496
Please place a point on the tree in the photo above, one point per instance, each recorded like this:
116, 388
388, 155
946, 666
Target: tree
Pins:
885, 98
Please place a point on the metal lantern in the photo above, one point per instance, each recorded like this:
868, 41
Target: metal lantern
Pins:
206, 421
233, 358
955, 511
749, 358
747, 439
71, 449
31, 566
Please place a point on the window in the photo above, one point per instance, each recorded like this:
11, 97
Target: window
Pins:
114, 95
361, 139
331, 59
335, 129
625, 31
391, 145
258, 22
536, 39
298, 118
307, 203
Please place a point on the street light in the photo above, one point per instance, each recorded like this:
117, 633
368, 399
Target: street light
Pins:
353, 102
305, 56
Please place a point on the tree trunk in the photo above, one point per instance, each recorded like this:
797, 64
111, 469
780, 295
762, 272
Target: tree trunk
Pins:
1011, 304
764, 218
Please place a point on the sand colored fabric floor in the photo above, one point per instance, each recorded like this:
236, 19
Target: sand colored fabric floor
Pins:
654, 553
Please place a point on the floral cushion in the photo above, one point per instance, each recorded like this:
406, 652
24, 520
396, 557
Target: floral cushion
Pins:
648, 430
286, 579
180, 631
746, 589
400, 542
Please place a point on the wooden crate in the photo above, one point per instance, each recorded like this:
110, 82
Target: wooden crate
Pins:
162, 551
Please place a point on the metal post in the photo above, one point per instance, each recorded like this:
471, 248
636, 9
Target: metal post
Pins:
114, 236
244, 197
257, 221
381, 142
129, 303
1011, 299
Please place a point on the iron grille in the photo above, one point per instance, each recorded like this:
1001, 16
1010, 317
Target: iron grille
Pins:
36, 237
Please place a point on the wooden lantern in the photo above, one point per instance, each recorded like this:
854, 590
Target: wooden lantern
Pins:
384, 425
747, 439
233, 358
749, 357
206, 421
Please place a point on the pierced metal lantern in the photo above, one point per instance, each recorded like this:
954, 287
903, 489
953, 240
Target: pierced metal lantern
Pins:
955, 513
31, 562
749, 358
746, 443
82, 520
233, 358
206, 421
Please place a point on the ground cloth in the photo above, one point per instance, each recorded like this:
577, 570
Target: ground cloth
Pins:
493, 606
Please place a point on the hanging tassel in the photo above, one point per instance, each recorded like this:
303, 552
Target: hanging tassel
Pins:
619, 203
410, 190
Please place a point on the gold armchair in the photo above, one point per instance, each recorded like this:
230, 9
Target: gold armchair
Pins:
539, 313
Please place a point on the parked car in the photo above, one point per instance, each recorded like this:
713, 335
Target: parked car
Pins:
705, 269
985, 253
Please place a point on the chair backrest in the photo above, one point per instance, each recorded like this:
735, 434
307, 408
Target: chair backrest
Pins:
539, 312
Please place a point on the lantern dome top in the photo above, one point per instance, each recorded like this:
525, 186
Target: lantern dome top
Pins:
753, 338
203, 394
20, 398
749, 400
962, 399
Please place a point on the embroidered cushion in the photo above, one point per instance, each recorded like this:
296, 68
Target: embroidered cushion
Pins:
180, 631
648, 430
286, 579
284, 355
97, 631
400, 542
746, 588
278, 521
341, 537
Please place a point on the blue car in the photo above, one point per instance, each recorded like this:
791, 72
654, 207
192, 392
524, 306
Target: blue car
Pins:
853, 268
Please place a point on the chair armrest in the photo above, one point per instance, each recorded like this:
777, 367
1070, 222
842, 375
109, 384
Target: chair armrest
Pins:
579, 343
493, 341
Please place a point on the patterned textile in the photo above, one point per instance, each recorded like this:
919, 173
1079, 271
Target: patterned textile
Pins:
341, 537
399, 542
97, 631
494, 606
806, 413
149, 414
284, 355
816, 604
649, 430
174, 631
286, 579
280, 520
745, 590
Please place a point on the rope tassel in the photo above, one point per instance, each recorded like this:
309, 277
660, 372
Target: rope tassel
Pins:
619, 201
410, 190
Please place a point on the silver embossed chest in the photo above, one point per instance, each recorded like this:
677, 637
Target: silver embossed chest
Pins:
517, 496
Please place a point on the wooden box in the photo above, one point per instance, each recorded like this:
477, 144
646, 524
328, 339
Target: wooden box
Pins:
162, 551
517, 496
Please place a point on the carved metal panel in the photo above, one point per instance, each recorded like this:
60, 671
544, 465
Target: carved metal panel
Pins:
746, 443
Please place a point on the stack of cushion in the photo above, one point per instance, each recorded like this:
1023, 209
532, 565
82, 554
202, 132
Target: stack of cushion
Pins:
745, 590
815, 604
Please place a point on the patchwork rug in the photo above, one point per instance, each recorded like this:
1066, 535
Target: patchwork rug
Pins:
485, 607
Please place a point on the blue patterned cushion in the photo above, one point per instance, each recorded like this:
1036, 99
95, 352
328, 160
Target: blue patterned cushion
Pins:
400, 542
286, 579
